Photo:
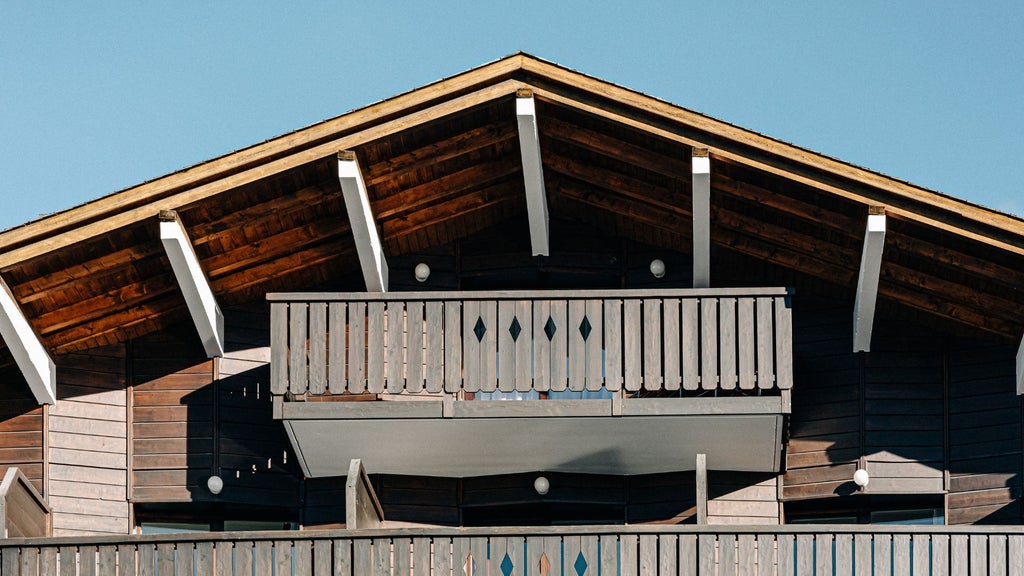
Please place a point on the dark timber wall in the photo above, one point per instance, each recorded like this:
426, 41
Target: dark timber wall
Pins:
21, 428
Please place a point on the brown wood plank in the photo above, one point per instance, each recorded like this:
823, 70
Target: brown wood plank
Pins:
279, 348
336, 380
317, 347
709, 343
298, 381
727, 343
652, 332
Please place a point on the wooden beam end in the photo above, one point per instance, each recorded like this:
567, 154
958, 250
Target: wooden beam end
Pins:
167, 215
524, 93
876, 210
700, 152
347, 155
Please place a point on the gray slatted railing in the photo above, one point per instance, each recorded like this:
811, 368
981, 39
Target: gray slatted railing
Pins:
580, 551
714, 339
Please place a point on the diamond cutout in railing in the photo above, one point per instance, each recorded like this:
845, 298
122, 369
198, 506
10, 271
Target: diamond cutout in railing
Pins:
514, 329
479, 329
468, 566
580, 565
550, 328
506, 565
585, 328
545, 565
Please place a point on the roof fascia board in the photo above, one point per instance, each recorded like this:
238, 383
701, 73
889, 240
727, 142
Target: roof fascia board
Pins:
202, 304
867, 281
362, 223
701, 184
29, 353
533, 173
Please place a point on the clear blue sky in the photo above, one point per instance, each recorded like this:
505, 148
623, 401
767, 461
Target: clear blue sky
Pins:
98, 96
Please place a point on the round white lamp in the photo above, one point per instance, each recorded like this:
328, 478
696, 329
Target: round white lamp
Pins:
657, 268
422, 272
541, 485
861, 478
215, 484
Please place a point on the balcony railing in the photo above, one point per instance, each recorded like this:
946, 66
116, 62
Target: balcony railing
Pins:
579, 551
686, 341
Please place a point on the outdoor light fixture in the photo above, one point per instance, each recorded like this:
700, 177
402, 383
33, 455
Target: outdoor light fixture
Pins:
422, 272
215, 484
657, 267
861, 478
541, 485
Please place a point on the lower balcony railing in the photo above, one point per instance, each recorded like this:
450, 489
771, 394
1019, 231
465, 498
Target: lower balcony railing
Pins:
576, 551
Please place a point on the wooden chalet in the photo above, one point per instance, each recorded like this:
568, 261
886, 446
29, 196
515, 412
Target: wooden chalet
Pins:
517, 321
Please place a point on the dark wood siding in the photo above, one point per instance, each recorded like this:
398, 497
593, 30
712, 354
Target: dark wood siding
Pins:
21, 428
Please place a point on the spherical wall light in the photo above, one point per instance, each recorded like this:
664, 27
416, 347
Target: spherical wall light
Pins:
658, 268
541, 485
422, 272
861, 478
215, 484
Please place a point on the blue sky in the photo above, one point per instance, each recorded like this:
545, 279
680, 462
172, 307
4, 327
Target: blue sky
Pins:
98, 96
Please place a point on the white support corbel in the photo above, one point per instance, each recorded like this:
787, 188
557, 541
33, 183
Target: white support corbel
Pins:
360, 218
202, 304
29, 353
867, 280
533, 172
701, 183
1020, 367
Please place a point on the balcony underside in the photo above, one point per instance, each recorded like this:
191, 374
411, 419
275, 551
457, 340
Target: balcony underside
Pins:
480, 438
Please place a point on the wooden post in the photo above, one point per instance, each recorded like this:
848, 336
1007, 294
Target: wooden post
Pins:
867, 279
701, 185
702, 488
362, 509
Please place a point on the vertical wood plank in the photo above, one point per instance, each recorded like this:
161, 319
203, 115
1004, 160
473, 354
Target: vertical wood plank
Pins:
262, 556
844, 555
687, 555
609, 546
727, 343
461, 556
203, 560
342, 557
375, 347
362, 557
403, 555
244, 553
421, 564
224, 559
146, 560
883, 554
489, 350
443, 556
86, 560
804, 553
48, 561
746, 554
726, 555
381, 556
279, 348
977, 543
541, 346
862, 555
1015, 554
298, 333
524, 347
670, 336
690, 342
302, 553
317, 347
577, 346
321, 558
631, 357
783, 344
629, 555
506, 346
786, 553
901, 553
282, 556
823, 553
454, 359
745, 349
668, 555
958, 557
765, 345
434, 353
29, 564
595, 346
648, 555
709, 343
613, 344
357, 347
394, 316
414, 347
706, 555
766, 555
471, 345
10, 562
652, 331
478, 549
165, 557
570, 551
997, 565
336, 347
560, 345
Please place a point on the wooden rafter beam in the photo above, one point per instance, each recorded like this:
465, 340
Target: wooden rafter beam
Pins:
867, 280
362, 223
701, 183
533, 172
29, 353
202, 304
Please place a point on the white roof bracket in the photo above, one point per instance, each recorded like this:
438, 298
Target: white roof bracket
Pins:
364, 228
533, 172
29, 353
867, 279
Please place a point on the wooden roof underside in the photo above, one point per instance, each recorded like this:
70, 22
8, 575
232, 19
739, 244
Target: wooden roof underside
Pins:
442, 162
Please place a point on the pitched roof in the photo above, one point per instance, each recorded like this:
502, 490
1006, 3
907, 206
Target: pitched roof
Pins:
442, 162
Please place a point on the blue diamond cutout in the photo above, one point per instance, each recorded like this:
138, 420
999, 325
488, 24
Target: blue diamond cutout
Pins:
550, 328
479, 329
580, 565
506, 565
514, 329
585, 328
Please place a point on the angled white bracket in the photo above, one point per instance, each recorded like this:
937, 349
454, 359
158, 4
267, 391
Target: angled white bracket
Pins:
360, 218
701, 182
867, 280
1020, 367
29, 353
202, 304
533, 172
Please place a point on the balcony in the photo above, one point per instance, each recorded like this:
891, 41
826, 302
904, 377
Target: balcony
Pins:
582, 551
596, 375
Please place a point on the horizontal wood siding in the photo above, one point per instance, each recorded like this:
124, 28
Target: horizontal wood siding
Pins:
89, 444
21, 428
669, 498
985, 436
742, 498
323, 503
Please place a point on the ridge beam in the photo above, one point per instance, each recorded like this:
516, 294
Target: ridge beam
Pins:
533, 172
29, 353
867, 279
1020, 367
364, 228
701, 183
202, 304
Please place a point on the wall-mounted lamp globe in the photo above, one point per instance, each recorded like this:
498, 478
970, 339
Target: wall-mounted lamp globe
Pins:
657, 267
541, 485
861, 478
215, 484
422, 272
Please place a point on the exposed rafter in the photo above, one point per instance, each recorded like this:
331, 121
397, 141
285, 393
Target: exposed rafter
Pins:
29, 353
202, 304
701, 174
867, 279
364, 227
533, 172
